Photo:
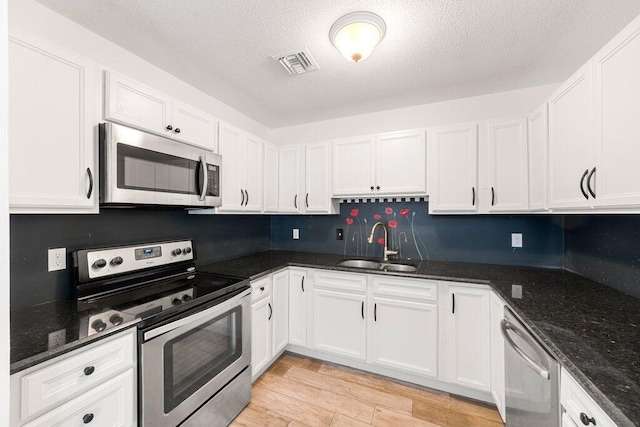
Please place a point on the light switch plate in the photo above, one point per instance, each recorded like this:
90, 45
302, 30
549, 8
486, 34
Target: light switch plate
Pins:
296, 234
516, 240
57, 259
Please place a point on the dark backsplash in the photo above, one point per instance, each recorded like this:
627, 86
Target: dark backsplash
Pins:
478, 238
605, 248
217, 237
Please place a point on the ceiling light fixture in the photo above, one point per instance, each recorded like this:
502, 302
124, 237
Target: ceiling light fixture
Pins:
356, 34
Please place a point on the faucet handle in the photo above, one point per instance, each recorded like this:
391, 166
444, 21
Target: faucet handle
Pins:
390, 252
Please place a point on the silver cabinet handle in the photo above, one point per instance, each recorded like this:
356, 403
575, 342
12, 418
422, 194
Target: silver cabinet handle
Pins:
242, 194
591, 190
203, 189
91, 183
506, 326
584, 193
295, 201
246, 202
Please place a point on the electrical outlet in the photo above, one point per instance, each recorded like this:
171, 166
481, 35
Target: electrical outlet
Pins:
516, 291
57, 259
516, 240
340, 234
57, 338
296, 234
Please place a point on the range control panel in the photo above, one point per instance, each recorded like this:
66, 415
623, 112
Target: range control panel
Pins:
111, 261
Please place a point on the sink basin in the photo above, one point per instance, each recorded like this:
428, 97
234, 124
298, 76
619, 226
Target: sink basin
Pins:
374, 265
360, 263
401, 268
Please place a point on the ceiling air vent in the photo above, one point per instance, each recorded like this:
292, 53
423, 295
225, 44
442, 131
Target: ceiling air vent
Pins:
297, 62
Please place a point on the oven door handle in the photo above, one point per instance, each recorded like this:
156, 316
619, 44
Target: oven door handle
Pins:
205, 181
506, 326
194, 318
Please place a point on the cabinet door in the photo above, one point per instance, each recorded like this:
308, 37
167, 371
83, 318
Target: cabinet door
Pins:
405, 335
467, 337
298, 292
253, 164
136, 105
280, 311
616, 181
508, 168
538, 134
317, 182
270, 178
289, 199
261, 335
231, 146
339, 323
193, 126
52, 128
401, 164
497, 354
453, 161
570, 141
353, 165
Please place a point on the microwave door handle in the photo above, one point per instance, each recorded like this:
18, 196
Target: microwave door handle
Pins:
203, 189
507, 326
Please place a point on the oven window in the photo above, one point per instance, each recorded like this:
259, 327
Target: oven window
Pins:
146, 170
192, 359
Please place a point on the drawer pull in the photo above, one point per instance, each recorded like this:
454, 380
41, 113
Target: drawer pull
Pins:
262, 288
586, 420
87, 418
89, 370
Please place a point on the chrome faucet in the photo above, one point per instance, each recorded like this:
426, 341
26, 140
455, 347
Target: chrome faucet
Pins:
386, 252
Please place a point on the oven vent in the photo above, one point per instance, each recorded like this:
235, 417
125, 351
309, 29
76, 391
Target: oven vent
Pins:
297, 62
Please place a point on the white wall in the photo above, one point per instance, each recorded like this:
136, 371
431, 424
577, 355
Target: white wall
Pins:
4, 220
38, 19
503, 104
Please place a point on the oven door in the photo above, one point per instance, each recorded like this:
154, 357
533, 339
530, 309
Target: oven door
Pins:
186, 362
141, 168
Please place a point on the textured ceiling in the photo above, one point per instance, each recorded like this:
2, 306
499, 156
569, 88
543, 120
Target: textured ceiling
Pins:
433, 50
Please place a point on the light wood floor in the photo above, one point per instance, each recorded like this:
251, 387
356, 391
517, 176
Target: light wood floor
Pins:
299, 391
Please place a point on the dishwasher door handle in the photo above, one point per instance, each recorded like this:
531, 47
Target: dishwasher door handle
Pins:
506, 326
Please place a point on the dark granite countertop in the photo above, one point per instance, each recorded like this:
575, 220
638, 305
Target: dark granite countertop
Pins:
593, 330
30, 329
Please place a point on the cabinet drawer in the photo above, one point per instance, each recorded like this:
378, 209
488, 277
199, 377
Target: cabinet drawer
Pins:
346, 282
419, 290
108, 404
260, 289
576, 401
58, 382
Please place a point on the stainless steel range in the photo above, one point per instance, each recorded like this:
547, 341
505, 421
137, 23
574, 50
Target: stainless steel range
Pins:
194, 330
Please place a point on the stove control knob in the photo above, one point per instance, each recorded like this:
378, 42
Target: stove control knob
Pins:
176, 301
116, 320
98, 325
116, 261
98, 264
186, 297
176, 252
187, 250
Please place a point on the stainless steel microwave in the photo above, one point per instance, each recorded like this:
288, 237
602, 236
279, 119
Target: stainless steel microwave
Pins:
138, 168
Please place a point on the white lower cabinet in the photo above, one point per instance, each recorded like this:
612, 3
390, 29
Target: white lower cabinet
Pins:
497, 354
261, 334
94, 384
465, 335
578, 405
280, 286
298, 303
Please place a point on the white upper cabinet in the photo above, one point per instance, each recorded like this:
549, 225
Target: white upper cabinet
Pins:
538, 136
570, 141
453, 166
317, 181
242, 163
134, 104
270, 178
401, 163
289, 199
508, 168
353, 166
391, 164
614, 180
53, 99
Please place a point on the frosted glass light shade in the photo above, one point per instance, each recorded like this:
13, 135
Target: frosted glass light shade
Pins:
356, 35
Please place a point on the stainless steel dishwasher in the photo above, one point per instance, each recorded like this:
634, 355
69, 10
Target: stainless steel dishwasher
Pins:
532, 378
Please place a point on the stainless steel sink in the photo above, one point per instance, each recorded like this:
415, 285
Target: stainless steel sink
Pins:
374, 265
401, 268
360, 263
